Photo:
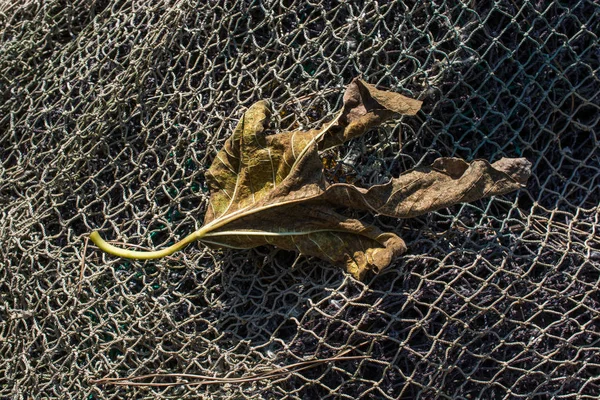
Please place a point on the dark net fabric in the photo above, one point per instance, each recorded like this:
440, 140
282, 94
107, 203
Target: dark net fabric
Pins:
111, 112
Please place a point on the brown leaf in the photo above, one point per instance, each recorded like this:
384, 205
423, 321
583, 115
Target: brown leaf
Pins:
270, 189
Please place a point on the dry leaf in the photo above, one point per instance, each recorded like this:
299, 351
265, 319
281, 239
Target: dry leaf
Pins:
270, 189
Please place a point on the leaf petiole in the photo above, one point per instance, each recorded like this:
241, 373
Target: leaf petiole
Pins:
145, 255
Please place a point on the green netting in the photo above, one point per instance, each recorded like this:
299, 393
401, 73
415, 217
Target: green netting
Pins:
111, 112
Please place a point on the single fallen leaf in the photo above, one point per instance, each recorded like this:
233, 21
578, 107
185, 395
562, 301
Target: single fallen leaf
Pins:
271, 189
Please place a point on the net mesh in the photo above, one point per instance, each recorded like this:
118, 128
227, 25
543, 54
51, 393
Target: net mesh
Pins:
111, 112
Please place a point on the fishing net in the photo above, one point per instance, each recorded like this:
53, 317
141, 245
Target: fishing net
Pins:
111, 112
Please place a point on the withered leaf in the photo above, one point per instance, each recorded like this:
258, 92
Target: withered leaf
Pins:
271, 189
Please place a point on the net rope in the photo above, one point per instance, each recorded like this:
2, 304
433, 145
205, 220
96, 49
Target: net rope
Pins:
111, 113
